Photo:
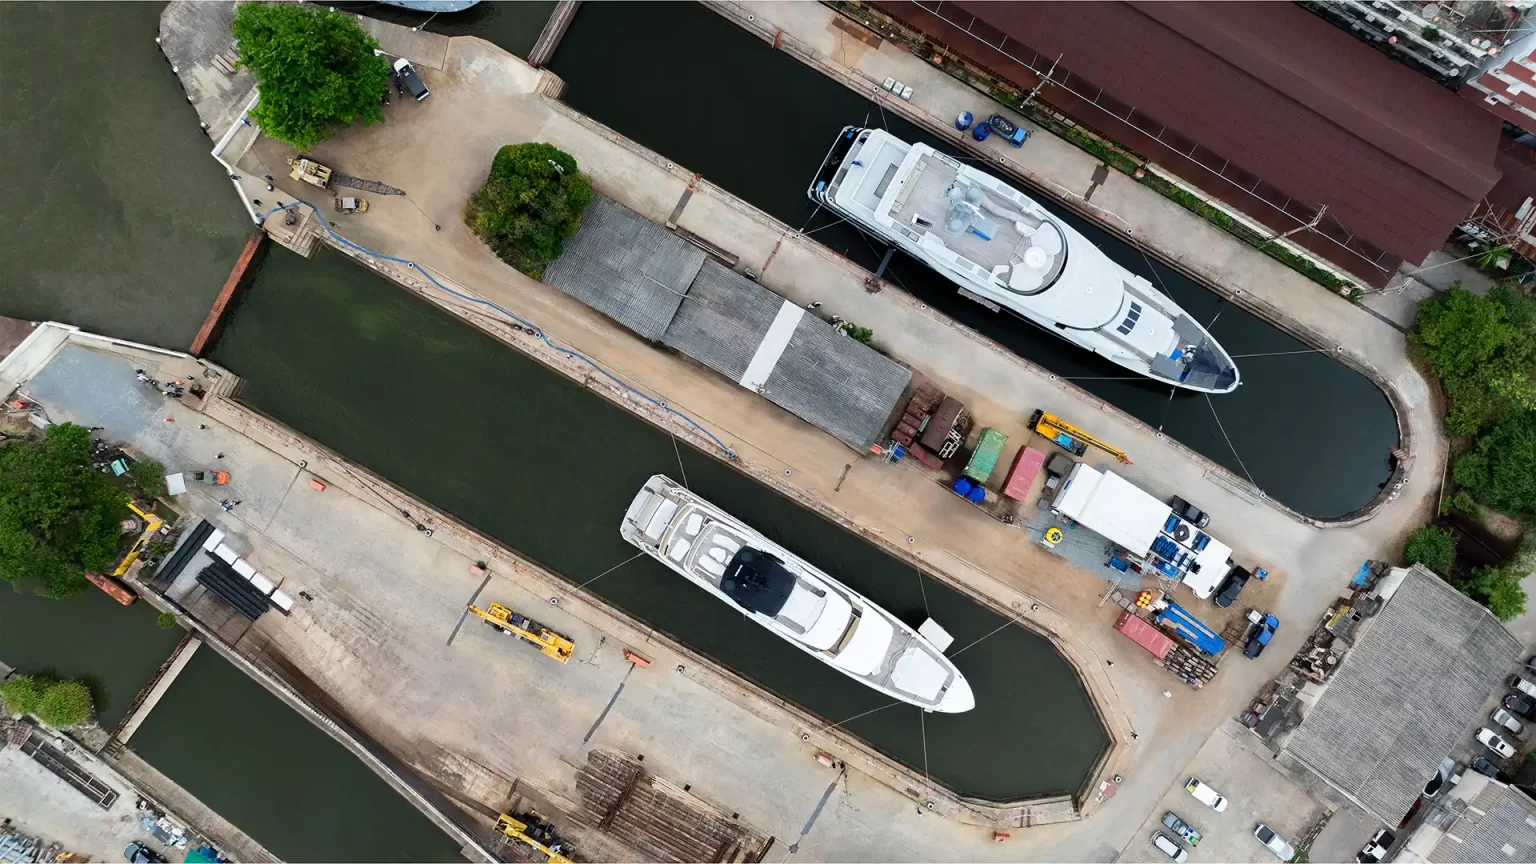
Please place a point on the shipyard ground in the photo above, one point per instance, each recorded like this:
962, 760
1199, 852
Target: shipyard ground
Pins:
482, 98
36, 802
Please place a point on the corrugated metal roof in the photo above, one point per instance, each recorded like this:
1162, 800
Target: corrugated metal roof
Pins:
1499, 826
1283, 95
1404, 695
624, 266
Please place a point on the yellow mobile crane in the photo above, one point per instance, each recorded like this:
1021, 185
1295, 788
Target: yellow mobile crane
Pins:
549, 643
1070, 438
536, 831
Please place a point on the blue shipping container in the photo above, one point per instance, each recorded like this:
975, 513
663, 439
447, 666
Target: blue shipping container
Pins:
1192, 629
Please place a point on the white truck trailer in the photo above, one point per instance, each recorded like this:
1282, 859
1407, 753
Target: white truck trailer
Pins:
1115, 509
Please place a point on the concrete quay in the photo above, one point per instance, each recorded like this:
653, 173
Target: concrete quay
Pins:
381, 648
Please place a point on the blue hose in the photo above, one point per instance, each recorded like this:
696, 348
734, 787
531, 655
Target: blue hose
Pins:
538, 331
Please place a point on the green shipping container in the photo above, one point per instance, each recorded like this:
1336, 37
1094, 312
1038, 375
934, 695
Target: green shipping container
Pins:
989, 448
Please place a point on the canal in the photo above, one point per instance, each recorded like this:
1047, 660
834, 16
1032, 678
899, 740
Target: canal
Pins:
759, 123
351, 360
266, 768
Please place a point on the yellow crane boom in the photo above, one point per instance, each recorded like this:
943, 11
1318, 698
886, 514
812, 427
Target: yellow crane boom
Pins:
536, 833
1071, 438
549, 643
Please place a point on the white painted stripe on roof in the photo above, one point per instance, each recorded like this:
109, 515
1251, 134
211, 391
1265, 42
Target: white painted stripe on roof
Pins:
772, 347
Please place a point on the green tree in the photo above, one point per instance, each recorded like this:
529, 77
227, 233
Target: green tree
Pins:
65, 704
148, 477
1501, 471
1498, 589
58, 516
530, 203
1432, 547
315, 69
21, 694
1484, 351
165, 621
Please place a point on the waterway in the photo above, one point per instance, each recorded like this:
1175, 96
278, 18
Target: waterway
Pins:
117, 220
351, 360
266, 768
1309, 431
91, 637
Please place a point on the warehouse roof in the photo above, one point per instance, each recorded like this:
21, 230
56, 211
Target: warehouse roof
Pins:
622, 265
1500, 825
1404, 695
1284, 95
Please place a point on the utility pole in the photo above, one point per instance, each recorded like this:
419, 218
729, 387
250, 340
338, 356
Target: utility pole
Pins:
1316, 220
1040, 85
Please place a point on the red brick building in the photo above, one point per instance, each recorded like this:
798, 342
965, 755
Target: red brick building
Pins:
1264, 105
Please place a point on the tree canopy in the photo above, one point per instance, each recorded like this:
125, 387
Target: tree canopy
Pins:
315, 69
65, 704
22, 694
530, 203
1501, 471
1484, 351
58, 516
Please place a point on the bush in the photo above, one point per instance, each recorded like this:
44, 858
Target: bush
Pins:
1432, 547
1484, 351
857, 333
165, 621
65, 704
148, 477
21, 694
315, 69
1501, 471
58, 516
530, 203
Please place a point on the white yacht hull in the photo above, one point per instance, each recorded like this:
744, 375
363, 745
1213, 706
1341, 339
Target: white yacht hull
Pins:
1074, 279
642, 528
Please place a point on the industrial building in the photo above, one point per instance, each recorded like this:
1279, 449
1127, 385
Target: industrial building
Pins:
1479, 820
1405, 694
1268, 107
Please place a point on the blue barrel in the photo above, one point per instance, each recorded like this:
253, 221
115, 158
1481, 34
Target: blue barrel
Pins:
964, 121
978, 494
981, 131
962, 487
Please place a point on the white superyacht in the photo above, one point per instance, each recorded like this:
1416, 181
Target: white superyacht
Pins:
802, 605
1006, 251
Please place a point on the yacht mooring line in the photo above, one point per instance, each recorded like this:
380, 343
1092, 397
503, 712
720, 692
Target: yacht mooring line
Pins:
1229, 441
610, 570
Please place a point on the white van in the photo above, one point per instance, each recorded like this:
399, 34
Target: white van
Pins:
1205, 795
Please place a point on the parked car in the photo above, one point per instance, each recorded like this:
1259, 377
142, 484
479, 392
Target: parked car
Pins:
1376, 848
1490, 739
1181, 828
1412, 811
1442, 774
1521, 706
138, 853
1205, 795
1521, 685
1189, 512
1232, 586
1502, 717
1530, 663
1259, 639
1165, 845
1485, 768
1274, 842
410, 82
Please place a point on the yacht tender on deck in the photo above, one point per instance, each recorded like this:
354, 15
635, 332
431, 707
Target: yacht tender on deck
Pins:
783, 593
1006, 251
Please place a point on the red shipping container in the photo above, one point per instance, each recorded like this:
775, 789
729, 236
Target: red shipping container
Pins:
1026, 467
925, 456
1144, 634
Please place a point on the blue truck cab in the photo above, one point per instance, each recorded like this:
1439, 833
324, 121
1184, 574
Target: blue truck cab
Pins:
1009, 131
